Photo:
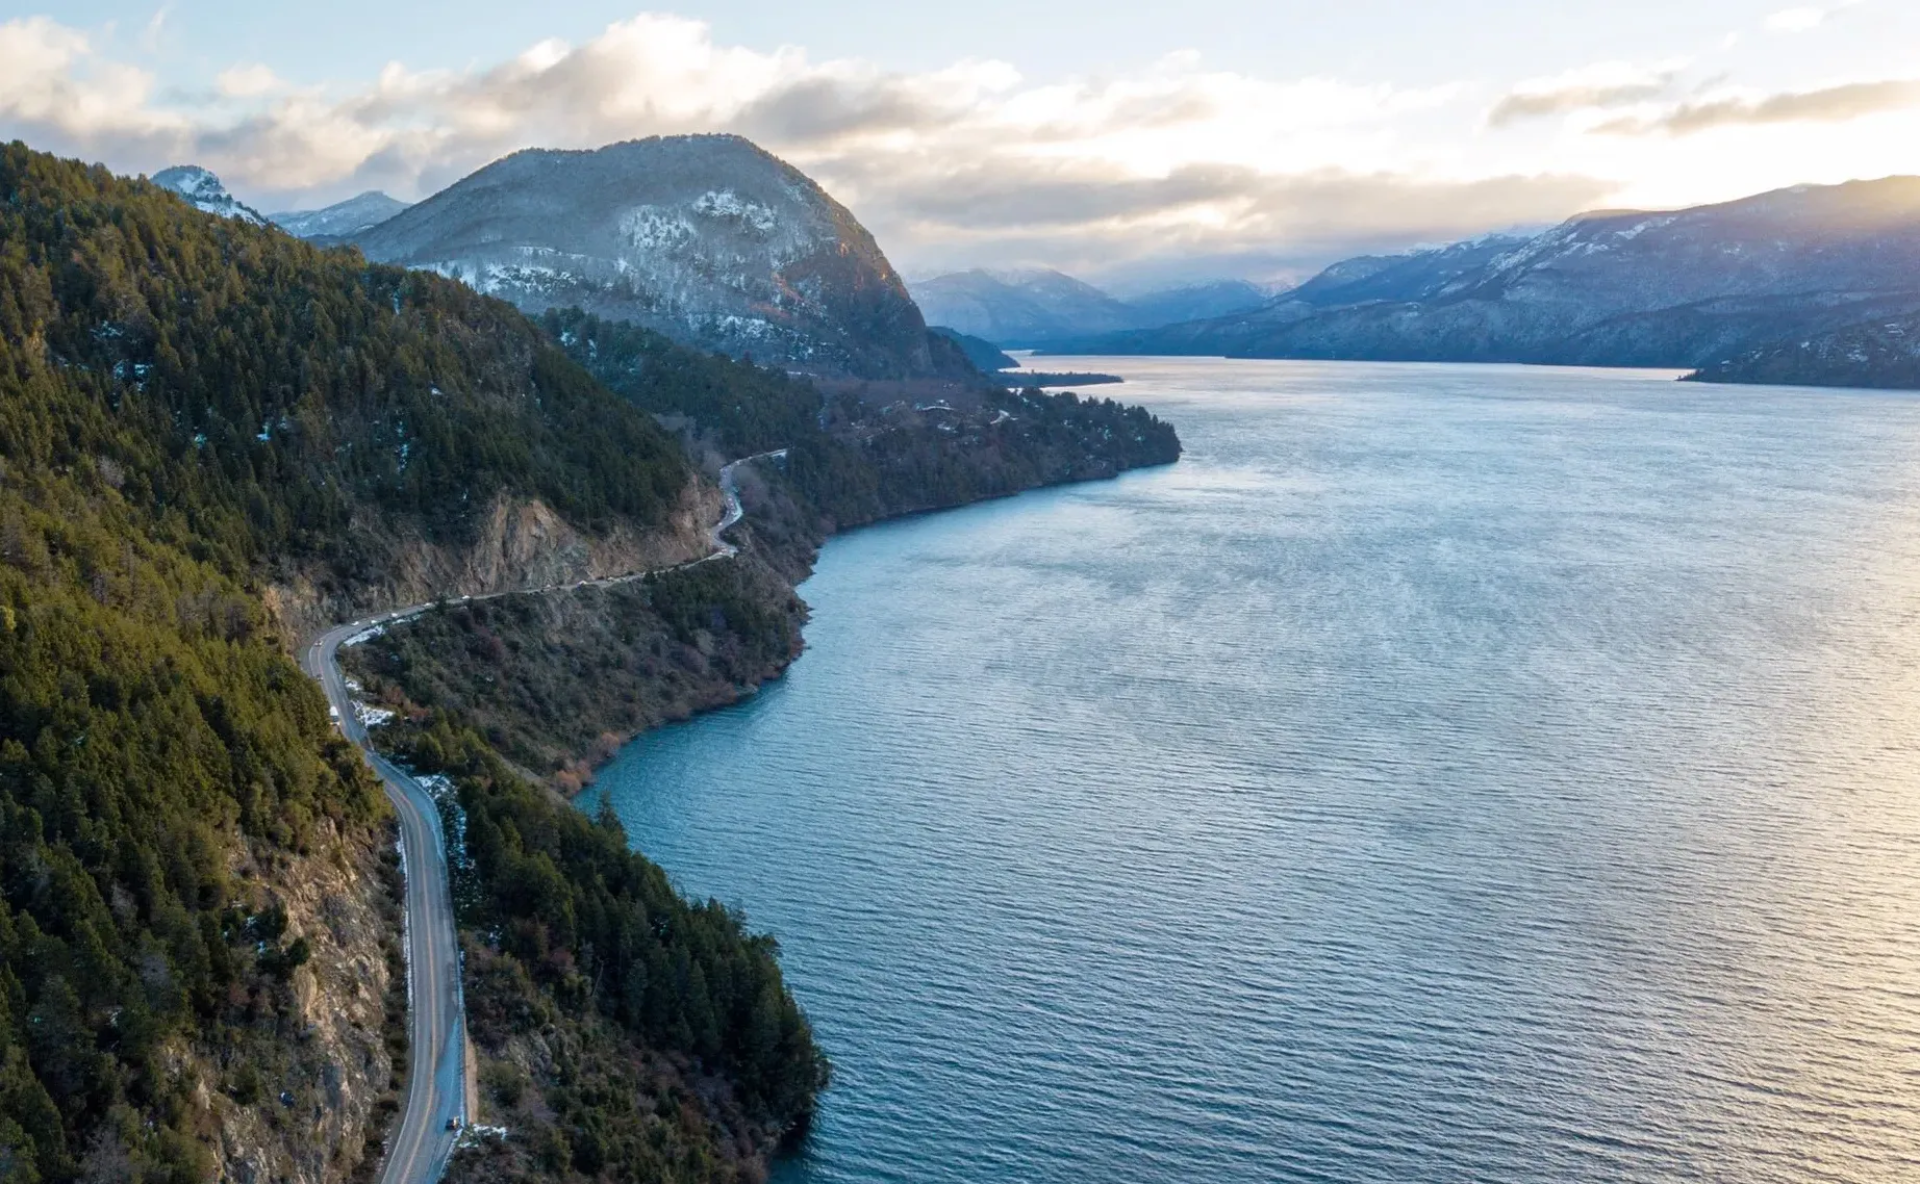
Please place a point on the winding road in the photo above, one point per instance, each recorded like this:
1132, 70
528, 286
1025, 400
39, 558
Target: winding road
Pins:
426, 1130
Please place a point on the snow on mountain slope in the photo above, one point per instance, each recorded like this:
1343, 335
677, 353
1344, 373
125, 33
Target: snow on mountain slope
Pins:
341, 219
708, 239
1683, 288
205, 192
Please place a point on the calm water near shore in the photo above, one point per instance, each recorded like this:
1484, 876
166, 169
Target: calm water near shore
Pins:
1442, 774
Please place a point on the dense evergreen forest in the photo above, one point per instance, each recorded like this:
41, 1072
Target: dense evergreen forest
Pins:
854, 457
556, 683
580, 931
185, 404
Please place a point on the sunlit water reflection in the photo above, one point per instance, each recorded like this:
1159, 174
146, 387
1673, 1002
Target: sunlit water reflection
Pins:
1442, 774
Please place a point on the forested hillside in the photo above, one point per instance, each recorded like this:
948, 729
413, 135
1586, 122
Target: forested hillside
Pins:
194, 929
1881, 351
852, 462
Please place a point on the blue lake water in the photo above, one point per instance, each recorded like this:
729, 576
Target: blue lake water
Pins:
1442, 774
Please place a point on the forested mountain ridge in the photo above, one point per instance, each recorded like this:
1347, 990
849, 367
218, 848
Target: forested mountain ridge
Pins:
194, 927
383, 428
1866, 351
854, 457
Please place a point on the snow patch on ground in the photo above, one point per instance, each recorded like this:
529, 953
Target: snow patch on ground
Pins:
725, 203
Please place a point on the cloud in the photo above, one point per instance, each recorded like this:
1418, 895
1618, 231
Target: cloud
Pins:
1805, 17
156, 27
967, 165
55, 91
1607, 84
1834, 104
246, 82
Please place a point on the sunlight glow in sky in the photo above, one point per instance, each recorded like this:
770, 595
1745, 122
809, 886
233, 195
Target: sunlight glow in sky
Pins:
1217, 137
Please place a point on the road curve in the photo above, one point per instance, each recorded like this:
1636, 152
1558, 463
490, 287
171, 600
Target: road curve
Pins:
424, 1136
418, 1148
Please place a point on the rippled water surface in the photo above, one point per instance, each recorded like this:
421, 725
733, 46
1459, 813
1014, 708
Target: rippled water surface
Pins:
1441, 774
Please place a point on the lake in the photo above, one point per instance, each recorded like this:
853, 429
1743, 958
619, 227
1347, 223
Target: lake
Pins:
1444, 773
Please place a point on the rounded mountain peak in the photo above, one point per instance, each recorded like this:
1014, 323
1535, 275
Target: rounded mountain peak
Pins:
707, 238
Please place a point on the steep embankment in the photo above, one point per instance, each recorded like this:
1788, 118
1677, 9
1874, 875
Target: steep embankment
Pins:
197, 958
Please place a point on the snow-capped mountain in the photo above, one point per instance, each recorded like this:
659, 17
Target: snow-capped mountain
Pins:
1684, 288
708, 239
341, 219
204, 191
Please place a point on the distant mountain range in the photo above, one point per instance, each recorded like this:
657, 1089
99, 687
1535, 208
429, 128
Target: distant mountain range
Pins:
341, 219
1699, 288
1021, 309
720, 245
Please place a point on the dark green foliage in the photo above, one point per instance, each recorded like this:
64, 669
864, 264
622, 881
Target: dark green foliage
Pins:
605, 1108
147, 729
851, 462
557, 682
186, 405
748, 408
250, 391
983, 354
603, 932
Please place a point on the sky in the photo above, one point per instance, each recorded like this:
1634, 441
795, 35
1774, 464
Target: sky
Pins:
1129, 143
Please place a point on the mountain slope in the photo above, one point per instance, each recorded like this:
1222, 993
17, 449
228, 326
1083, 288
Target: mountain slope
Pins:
1013, 309
204, 192
1196, 302
849, 462
1682, 288
1882, 352
341, 219
198, 418
985, 356
707, 239
1017, 309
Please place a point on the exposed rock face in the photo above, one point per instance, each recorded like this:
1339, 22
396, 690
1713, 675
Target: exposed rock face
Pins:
322, 1091
204, 191
1684, 289
341, 219
707, 239
520, 544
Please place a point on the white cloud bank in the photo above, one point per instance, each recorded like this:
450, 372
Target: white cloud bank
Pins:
968, 165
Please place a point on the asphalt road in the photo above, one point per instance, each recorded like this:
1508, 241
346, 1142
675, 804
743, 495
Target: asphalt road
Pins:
418, 1148
421, 1142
